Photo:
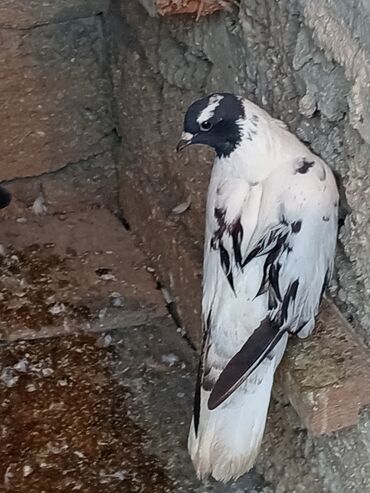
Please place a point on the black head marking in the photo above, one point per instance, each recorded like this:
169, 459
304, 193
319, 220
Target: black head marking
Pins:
214, 121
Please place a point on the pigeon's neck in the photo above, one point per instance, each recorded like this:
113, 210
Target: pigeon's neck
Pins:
253, 160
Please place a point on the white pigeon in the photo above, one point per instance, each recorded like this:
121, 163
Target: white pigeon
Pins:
270, 238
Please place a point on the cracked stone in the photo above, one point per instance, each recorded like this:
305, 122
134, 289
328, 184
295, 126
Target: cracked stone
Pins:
43, 125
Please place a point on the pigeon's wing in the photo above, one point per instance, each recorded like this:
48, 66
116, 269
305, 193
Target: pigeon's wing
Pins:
267, 263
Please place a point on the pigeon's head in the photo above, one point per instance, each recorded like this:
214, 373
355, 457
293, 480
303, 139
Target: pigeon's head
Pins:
216, 121
5, 197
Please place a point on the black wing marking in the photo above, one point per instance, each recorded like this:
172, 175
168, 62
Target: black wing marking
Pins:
227, 239
237, 233
288, 298
254, 351
226, 265
263, 340
235, 230
274, 242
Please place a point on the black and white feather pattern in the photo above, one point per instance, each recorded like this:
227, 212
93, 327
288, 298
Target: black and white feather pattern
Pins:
270, 240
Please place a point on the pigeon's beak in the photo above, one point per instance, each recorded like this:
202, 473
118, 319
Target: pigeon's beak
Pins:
186, 139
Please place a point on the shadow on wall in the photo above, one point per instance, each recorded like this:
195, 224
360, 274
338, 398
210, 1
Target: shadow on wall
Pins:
5, 197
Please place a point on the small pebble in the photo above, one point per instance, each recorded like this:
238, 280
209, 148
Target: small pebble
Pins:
57, 309
102, 313
39, 207
47, 372
27, 470
169, 359
108, 277
116, 300
22, 365
8, 377
104, 341
79, 454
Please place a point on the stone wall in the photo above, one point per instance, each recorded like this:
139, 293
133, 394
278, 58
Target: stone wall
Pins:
306, 62
55, 91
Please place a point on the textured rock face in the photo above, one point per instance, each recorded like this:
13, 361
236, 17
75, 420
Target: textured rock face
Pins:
16, 14
306, 62
54, 89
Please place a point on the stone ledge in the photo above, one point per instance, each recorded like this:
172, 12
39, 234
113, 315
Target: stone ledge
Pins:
69, 273
327, 376
17, 14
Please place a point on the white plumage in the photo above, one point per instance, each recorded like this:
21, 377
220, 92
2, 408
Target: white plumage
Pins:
271, 228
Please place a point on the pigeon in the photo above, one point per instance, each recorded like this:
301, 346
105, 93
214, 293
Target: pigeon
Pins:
5, 197
270, 241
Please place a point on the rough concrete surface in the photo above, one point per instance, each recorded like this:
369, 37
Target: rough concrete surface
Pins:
306, 63
90, 183
54, 93
16, 14
71, 272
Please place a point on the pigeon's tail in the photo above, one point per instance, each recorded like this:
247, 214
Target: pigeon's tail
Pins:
229, 436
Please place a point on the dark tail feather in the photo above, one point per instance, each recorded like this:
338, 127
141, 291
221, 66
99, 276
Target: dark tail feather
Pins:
259, 345
196, 404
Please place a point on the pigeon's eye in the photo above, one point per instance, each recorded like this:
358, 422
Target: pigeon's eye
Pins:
207, 125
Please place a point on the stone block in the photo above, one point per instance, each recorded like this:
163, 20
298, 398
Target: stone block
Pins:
326, 377
54, 97
17, 14
69, 273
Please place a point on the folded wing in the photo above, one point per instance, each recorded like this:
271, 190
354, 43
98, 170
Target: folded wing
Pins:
270, 253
